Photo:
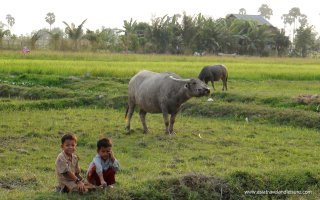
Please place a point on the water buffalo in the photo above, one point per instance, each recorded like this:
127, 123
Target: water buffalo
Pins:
161, 93
214, 73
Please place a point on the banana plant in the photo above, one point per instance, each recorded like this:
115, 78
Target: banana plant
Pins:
74, 33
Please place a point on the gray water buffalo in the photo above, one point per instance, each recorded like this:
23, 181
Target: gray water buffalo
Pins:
214, 73
161, 93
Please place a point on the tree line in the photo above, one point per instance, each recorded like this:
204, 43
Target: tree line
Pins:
177, 34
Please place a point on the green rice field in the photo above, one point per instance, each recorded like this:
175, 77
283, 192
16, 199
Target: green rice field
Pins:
260, 136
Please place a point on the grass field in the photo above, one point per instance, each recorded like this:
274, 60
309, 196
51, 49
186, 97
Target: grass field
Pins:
216, 154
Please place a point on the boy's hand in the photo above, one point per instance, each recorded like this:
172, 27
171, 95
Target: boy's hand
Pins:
111, 156
81, 187
103, 184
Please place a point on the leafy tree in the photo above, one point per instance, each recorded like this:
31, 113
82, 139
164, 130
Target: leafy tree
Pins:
143, 31
13, 38
189, 32
242, 11
35, 36
252, 39
93, 37
265, 11
262, 37
240, 30
316, 46
305, 40
226, 40
74, 33
3, 33
130, 38
10, 20
109, 39
303, 20
2, 25
56, 36
50, 19
96, 38
174, 35
282, 42
208, 35
160, 35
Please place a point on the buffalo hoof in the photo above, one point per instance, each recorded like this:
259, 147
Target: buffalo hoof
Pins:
171, 132
127, 130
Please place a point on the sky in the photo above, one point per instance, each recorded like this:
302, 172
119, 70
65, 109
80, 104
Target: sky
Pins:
30, 14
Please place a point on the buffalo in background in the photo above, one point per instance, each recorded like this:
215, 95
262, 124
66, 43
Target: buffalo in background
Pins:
214, 73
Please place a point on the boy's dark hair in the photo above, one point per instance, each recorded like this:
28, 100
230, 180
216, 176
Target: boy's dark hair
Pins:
104, 142
68, 136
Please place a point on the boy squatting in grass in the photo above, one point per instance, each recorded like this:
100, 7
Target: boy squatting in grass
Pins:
104, 166
67, 168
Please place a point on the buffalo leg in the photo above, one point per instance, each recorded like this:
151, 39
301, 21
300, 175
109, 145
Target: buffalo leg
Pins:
225, 84
172, 120
212, 82
166, 120
142, 114
129, 116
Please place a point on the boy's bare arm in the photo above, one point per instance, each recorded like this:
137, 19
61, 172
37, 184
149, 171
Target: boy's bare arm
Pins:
79, 176
102, 181
72, 175
77, 180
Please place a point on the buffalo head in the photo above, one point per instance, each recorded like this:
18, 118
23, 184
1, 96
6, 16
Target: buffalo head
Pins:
195, 87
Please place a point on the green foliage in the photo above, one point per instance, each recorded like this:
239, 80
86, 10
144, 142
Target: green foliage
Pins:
252, 39
265, 11
2, 34
74, 33
304, 40
282, 42
176, 34
34, 38
56, 35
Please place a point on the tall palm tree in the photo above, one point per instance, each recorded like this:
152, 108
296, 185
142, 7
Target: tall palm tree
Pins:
159, 33
295, 14
10, 20
242, 11
265, 11
130, 38
74, 33
50, 19
287, 19
189, 29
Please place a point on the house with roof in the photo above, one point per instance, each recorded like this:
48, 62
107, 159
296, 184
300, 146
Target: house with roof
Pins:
257, 18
